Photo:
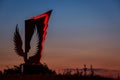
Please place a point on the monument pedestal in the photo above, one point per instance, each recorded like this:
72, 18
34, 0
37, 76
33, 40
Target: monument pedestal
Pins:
36, 69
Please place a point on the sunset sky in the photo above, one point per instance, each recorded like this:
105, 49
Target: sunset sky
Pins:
79, 32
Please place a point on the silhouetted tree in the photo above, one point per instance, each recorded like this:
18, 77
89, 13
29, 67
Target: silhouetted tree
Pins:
85, 70
78, 72
118, 78
0, 75
92, 71
67, 72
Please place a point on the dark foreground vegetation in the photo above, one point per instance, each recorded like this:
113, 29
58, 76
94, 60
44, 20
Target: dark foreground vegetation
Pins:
16, 73
52, 77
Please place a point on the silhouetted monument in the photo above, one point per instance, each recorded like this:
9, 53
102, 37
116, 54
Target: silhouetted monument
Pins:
40, 22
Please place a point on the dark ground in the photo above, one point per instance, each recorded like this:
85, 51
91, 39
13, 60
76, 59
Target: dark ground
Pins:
42, 72
51, 77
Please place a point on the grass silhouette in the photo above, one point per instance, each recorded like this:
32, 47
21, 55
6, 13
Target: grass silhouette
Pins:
48, 74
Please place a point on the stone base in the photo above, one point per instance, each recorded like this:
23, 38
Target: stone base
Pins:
36, 69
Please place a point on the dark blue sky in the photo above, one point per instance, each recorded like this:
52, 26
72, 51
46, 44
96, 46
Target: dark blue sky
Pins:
80, 31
